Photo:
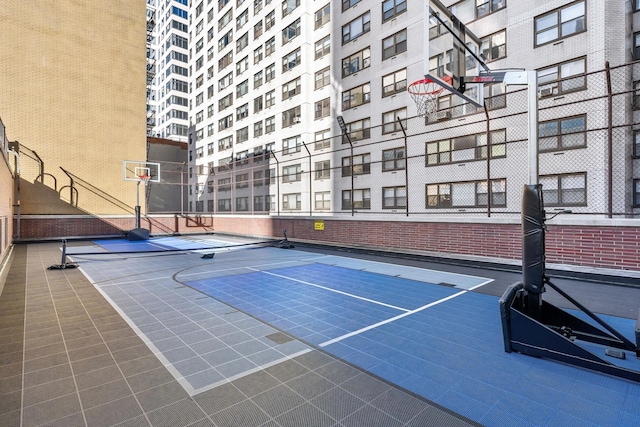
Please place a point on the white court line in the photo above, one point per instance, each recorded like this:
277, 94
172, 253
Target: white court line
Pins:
103, 283
333, 290
392, 319
177, 375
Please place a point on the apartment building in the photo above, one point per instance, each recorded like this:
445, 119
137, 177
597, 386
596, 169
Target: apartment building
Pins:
167, 110
270, 78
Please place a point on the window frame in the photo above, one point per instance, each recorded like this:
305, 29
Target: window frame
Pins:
394, 159
391, 126
348, 202
322, 47
286, 203
399, 7
324, 204
322, 108
322, 170
560, 190
558, 24
350, 96
361, 132
322, 78
396, 197
398, 44
492, 7
557, 85
348, 63
446, 156
348, 4
292, 173
397, 86
361, 168
444, 199
560, 135
322, 16
363, 21
501, 48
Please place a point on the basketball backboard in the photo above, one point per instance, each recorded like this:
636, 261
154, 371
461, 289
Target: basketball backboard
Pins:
452, 52
136, 170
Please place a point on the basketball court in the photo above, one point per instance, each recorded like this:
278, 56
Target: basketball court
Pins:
429, 332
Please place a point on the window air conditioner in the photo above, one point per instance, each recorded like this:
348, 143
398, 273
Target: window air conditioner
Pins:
443, 115
547, 91
296, 119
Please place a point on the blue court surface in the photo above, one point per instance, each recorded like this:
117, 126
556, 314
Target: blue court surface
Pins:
441, 342
158, 244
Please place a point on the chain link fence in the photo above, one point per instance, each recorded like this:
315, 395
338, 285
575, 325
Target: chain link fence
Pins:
459, 161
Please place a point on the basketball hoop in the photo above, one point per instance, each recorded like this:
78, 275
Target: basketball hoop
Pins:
425, 93
144, 179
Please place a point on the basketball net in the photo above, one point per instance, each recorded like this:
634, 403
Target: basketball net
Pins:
144, 179
425, 93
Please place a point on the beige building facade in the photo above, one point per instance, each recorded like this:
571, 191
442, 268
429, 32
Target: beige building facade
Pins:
72, 94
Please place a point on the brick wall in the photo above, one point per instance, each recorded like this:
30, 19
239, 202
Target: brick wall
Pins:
604, 246
6, 208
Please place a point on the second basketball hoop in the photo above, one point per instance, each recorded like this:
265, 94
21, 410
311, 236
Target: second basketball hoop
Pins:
425, 93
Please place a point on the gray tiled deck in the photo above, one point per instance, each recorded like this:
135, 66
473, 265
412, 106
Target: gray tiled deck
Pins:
68, 358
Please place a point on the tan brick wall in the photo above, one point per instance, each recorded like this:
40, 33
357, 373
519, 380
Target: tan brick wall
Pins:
72, 88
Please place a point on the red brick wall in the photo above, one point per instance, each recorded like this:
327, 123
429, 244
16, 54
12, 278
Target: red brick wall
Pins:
616, 247
6, 206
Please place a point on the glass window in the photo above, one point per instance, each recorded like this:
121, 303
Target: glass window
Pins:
357, 96
562, 78
393, 159
494, 47
560, 23
356, 28
394, 197
394, 44
361, 199
392, 8
394, 83
322, 16
323, 200
390, 119
356, 62
562, 134
564, 190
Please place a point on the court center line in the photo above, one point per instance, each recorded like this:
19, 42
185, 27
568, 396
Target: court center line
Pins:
332, 290
392, 319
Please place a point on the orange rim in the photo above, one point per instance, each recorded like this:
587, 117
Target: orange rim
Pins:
413, 87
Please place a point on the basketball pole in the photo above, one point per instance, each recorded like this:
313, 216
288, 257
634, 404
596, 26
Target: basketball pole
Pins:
532, 86
138, 204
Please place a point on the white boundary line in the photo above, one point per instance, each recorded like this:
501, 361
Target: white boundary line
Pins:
178, 376
392, 319
406, 310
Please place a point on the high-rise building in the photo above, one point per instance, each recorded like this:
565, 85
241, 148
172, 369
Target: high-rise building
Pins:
273, 77
152, 48
169, 52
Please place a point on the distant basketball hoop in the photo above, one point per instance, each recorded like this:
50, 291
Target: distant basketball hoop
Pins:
425, 93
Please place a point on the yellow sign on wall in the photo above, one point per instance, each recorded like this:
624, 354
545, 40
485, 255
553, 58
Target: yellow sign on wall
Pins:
318, 225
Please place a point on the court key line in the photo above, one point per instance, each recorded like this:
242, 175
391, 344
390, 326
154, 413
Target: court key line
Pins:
331, 290
400, 316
